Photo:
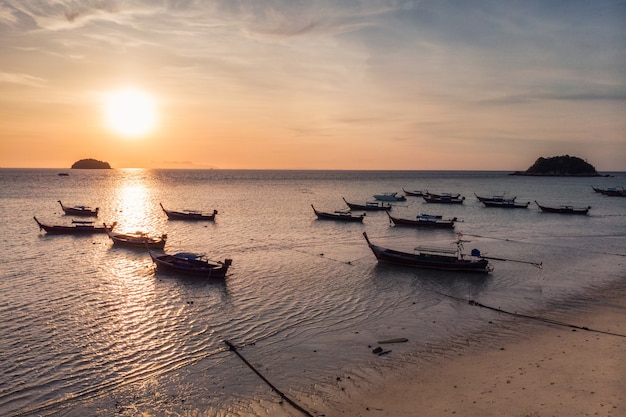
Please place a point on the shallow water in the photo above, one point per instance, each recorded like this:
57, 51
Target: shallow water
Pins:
89, 329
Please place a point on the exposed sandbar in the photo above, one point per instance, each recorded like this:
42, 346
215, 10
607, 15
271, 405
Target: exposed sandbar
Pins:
547, 370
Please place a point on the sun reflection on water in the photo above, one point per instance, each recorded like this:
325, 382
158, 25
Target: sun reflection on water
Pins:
131, 280
130, 334
134, 202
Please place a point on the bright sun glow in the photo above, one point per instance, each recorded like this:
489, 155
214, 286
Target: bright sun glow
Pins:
130, 112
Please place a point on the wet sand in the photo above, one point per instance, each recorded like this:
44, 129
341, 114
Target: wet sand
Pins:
547, 370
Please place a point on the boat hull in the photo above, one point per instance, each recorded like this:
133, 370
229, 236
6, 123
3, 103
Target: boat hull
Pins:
425, 222
505, 204
322, 215
611, 192
190, 267
373, 206
391, 198
564, 210
494, 198
137, 241
415, 193
79, 210
443, 199
428, 261
72, 230
192, 216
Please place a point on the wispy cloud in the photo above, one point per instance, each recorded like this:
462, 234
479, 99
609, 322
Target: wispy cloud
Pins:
290, 72
22, 79
70, 14
573, 93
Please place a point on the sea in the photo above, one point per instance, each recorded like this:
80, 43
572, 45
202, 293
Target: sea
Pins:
89, 329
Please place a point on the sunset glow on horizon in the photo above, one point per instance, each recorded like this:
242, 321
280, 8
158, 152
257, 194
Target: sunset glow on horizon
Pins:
357, 84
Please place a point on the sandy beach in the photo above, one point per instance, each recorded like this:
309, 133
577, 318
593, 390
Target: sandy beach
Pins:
546, 370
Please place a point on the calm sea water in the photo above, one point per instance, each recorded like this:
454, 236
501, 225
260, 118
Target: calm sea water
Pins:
88, 329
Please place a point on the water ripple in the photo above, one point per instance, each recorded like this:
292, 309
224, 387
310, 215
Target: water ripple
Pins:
82, 320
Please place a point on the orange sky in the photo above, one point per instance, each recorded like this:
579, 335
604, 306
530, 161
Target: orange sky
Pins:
366, 84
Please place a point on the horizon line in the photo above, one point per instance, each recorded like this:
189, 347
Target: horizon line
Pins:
311, 169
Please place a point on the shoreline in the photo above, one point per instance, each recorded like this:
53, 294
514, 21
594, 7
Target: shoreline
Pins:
531, 369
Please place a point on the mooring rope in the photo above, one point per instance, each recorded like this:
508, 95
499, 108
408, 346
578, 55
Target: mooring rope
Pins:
279, 392
526, 316
548, 244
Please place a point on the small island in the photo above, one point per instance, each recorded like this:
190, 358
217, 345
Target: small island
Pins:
90, 164
560, 166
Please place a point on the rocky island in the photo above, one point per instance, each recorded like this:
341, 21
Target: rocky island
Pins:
560, 166
90, 164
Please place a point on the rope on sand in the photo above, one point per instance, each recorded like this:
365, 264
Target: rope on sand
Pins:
279, 392
526, 316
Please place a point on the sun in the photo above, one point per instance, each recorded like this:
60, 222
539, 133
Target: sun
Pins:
130, 112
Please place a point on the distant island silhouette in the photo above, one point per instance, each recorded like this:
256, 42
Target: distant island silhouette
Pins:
90, 164
560, 166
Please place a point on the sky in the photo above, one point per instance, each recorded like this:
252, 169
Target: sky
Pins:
312, 84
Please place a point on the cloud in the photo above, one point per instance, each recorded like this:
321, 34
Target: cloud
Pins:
587, 96
376, 70
68, 14
615, 93
7, 15
278, 19
22, 79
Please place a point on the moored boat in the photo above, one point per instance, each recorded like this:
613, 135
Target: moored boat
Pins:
137, 239
424, 220
190, 264
414, 193
344, 216
369, 206
432, 258
443, 198
564, 209
495, 198
77, 228
611, 191
506, 204
451, 195
79, 210
188, 214
389, 196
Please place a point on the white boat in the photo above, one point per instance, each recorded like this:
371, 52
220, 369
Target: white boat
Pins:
390, 196
137, 239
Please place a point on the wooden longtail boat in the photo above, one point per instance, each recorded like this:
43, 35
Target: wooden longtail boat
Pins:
611, 191
494, 198
564, 209
369, 206
451, 195
137, 240
188, 214
506, 204
414, 193
344, 216
424, 220
78, 228
190, 264
79, 210
443, 199
432, 258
